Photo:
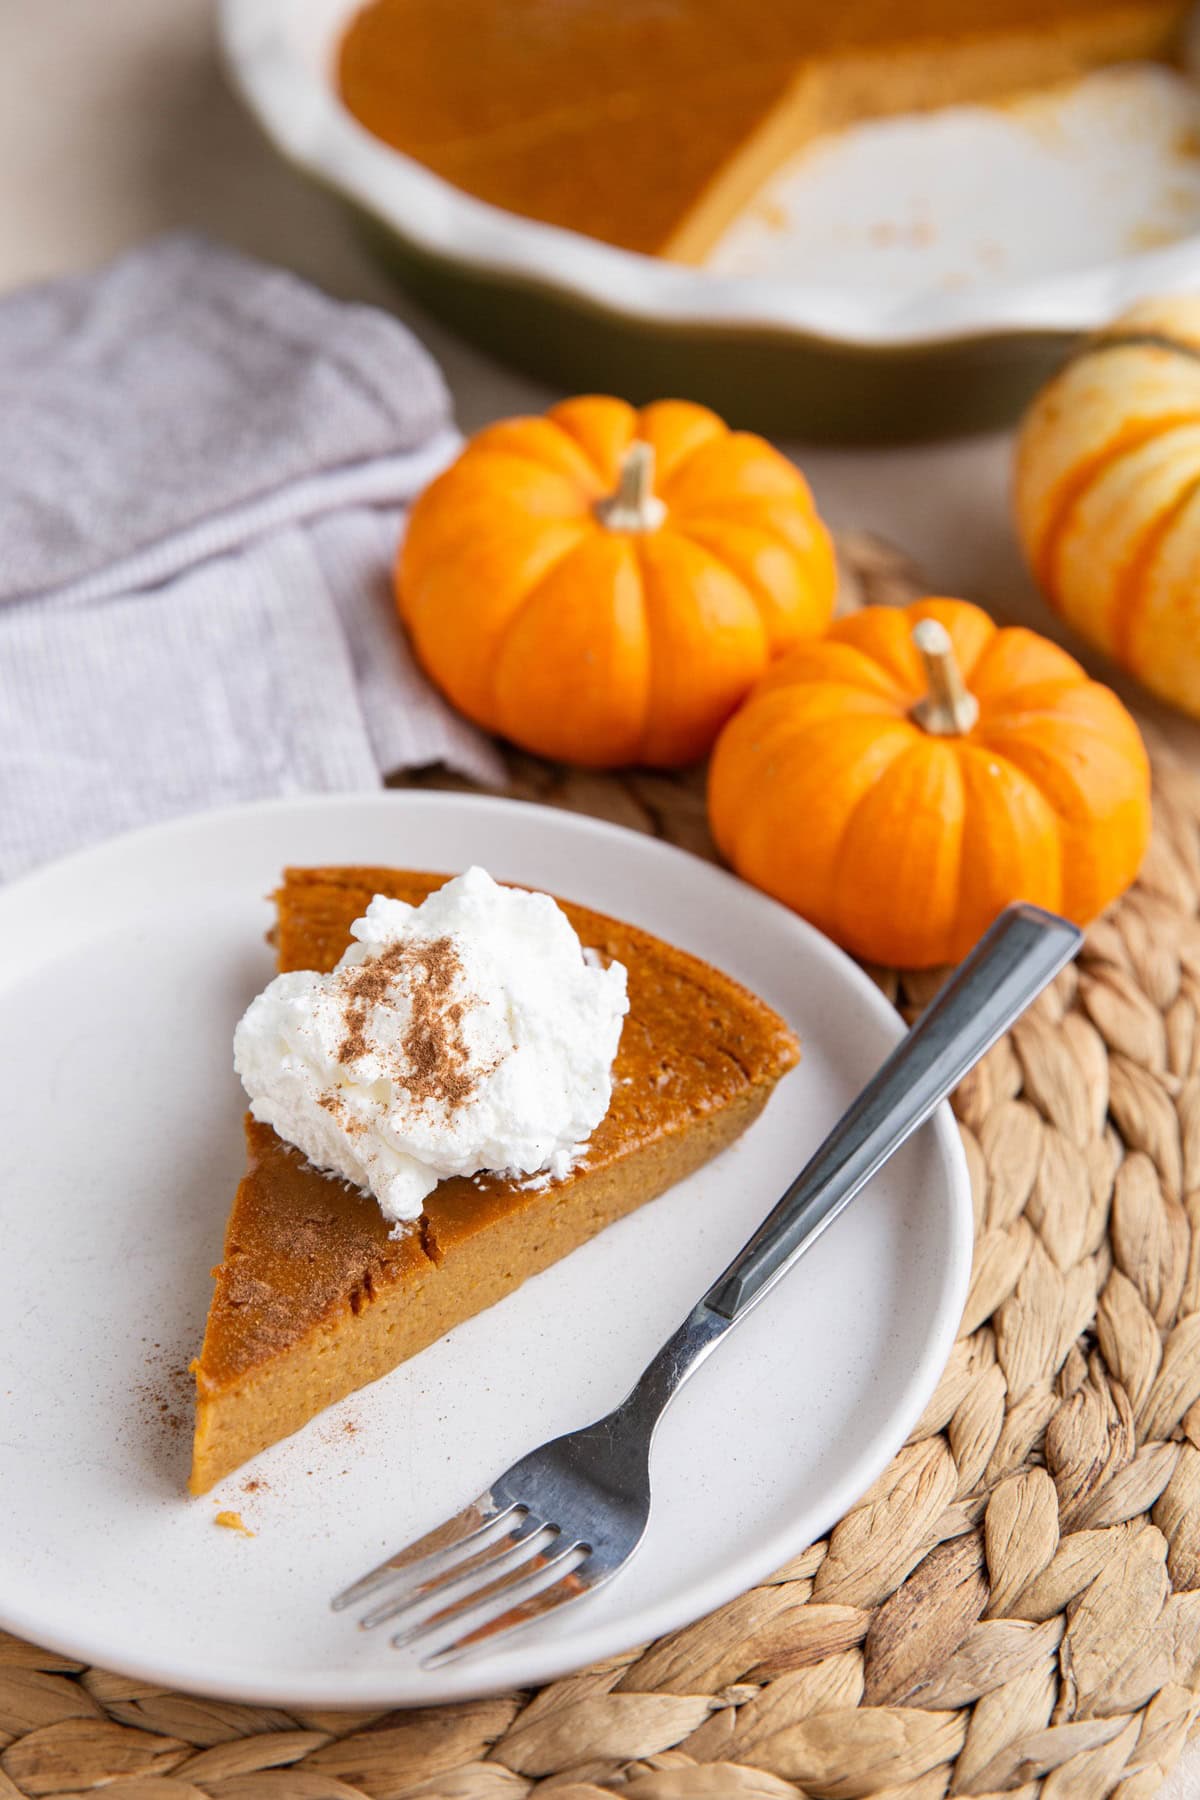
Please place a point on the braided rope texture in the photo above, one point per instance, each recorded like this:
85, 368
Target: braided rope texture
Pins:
1013, 1608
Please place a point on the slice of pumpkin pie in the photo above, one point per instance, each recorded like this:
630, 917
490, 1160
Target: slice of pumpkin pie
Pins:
320, 1289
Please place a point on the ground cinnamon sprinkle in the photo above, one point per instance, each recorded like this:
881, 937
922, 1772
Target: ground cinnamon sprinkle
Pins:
350, 1123
435, 1062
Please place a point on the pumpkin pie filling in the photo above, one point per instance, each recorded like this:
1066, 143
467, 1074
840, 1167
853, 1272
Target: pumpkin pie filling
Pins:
652, 125
314, 1299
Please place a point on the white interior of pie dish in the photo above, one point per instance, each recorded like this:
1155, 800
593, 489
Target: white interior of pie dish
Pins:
280, 53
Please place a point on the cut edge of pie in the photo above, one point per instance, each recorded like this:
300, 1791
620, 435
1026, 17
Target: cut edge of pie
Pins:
314, 1300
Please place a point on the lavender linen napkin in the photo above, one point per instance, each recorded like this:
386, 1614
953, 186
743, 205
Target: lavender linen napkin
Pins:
203, 469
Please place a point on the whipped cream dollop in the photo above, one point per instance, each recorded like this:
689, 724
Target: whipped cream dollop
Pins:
468, 1033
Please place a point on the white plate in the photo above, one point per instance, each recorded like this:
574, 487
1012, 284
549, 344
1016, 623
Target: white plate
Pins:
1067, 277
122, 972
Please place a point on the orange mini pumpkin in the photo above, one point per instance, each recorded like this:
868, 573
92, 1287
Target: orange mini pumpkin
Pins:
902, 780
604, 586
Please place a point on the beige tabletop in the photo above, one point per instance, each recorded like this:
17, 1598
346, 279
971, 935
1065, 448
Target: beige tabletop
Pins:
115, 122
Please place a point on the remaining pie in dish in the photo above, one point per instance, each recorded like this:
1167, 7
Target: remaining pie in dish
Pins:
652, 124
313, 1297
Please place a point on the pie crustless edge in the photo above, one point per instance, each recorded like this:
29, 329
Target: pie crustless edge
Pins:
313, 1299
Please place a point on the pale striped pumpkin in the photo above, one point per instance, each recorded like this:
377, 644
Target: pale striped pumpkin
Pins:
1108, 494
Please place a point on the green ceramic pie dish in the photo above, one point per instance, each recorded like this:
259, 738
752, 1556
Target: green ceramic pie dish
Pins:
786, 357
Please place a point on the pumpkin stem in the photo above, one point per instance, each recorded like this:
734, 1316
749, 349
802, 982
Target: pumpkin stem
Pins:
634, 506
947, 710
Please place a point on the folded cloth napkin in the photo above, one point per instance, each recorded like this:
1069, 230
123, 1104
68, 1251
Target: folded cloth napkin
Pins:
203, 465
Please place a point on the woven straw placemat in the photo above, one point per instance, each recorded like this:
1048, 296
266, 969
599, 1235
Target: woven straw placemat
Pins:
1014, 1607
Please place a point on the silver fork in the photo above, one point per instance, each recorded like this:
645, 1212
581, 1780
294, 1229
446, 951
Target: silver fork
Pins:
568, 1516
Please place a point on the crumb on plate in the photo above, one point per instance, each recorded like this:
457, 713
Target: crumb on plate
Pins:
233, 1521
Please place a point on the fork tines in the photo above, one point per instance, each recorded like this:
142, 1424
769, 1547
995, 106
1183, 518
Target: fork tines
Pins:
484, 1572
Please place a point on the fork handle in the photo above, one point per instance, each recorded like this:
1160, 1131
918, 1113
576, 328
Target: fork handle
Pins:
1006, 970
